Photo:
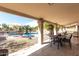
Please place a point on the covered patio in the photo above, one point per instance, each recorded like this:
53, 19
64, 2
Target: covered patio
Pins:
66, 15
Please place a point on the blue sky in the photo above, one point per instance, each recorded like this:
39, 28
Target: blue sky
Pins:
10, 19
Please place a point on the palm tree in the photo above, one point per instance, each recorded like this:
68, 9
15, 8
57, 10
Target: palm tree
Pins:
49, 27
30, 29
21, 30
26, 28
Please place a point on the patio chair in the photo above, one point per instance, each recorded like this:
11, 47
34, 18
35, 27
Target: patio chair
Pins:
68, 39
52, 40
56, 39
3, 52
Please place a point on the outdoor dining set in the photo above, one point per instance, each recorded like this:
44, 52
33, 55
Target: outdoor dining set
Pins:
59, 40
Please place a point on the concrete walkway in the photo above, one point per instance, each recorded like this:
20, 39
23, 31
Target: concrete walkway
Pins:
27, 51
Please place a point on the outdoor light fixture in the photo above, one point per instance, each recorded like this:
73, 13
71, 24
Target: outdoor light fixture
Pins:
50, 4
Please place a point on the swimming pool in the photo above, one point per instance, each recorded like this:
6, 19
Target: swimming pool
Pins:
24, 35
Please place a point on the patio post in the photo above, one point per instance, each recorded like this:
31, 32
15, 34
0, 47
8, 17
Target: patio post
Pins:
40, 31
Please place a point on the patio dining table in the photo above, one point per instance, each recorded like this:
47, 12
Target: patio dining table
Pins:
59, 40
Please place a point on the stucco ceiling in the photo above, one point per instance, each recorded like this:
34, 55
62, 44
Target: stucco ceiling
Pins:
58, 13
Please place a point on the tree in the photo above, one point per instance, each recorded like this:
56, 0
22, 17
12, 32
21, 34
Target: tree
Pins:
11, 29
35, 28
5, 27
26, 28
46, 25
30, 29
21, 30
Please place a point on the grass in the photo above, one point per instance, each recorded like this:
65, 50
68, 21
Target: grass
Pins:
17, 44
23, 40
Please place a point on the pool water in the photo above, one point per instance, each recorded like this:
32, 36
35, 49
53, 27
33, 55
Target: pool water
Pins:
24, 35
28, 35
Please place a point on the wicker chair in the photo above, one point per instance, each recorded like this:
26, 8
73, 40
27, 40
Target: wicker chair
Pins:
3, 52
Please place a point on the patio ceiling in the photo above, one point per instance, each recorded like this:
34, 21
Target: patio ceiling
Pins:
58, 13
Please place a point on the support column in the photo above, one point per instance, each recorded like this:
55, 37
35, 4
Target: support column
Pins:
40, 31
56, 30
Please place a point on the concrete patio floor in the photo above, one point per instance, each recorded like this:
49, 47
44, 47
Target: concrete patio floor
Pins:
53, 51
46, 50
